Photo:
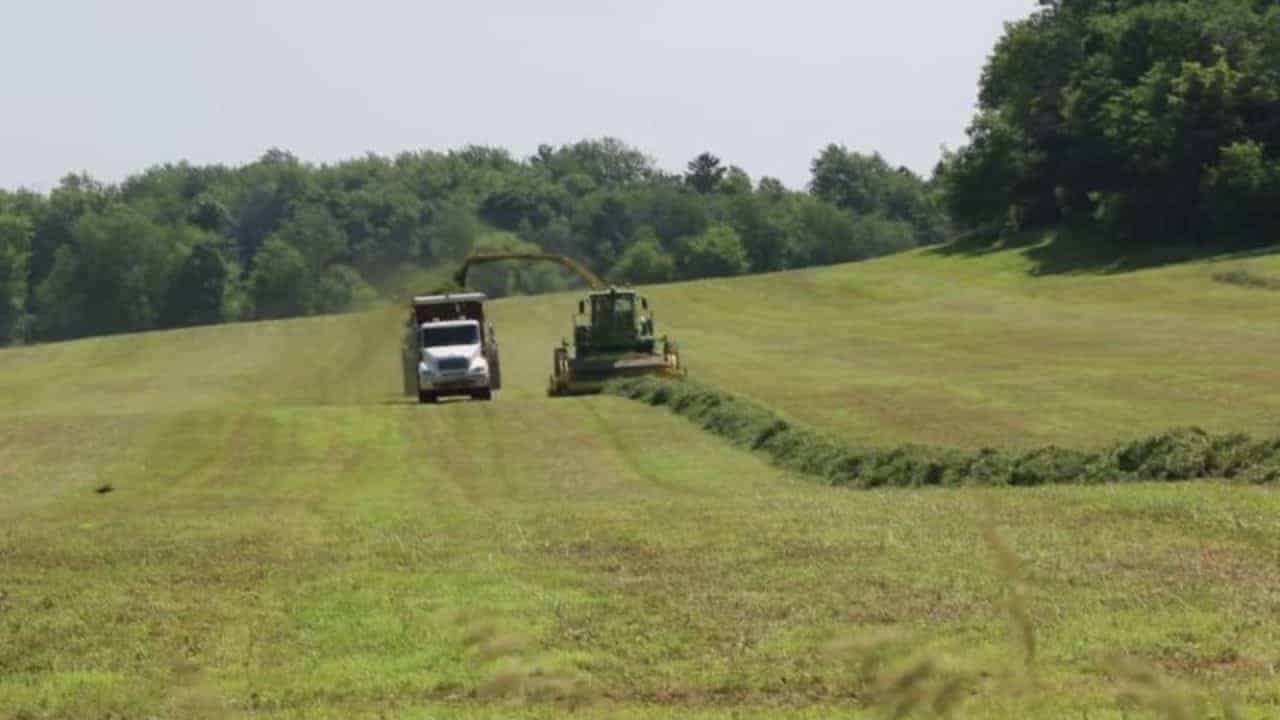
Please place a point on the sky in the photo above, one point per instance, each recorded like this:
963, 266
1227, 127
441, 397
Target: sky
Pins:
113, 87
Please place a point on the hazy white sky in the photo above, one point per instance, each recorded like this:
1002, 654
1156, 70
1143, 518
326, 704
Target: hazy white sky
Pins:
113, 86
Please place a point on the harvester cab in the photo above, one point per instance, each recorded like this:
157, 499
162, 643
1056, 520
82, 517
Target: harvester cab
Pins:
614, 320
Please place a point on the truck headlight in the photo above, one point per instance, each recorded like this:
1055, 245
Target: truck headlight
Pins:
424, 369
479, 367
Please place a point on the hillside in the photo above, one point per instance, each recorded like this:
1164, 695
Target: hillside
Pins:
934, 348
285, 536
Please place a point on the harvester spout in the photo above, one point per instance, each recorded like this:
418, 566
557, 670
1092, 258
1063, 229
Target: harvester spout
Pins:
592, 280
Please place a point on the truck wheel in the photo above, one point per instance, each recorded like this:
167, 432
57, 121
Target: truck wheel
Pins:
485, 394
426, 396
410, 381
495, 372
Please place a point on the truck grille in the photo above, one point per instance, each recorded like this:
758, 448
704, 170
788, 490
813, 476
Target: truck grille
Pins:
453, 364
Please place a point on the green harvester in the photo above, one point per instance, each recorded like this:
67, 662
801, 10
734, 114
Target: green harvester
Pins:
612, 338
613, 333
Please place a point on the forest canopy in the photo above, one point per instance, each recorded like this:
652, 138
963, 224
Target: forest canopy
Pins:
1157, 119
181, 244
1147, 122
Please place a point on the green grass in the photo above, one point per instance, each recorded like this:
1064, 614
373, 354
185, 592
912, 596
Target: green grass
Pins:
970, 352
286, 537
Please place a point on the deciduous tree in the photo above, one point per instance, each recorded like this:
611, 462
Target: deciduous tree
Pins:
15, 251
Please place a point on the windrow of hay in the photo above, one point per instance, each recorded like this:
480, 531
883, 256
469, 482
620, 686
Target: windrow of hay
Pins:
1179, 454
1245, 278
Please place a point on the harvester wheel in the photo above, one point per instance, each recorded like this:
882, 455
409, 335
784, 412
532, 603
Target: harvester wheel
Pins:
410, 379
559, 371
671, 356
495, 372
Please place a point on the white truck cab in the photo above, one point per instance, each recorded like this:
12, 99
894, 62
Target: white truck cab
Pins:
449, 349
453, 360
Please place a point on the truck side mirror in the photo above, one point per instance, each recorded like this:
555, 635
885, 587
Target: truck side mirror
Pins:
582, 308
644, 303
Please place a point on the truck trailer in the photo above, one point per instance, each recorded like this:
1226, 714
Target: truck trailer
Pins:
449, 348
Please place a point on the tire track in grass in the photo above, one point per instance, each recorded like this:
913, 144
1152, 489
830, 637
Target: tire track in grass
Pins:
368, 362
493, 533
446, 436
525, 523
325, 531
47, 461
647, 462
126, 540
187, 556
596, 560
258, 530
351, 616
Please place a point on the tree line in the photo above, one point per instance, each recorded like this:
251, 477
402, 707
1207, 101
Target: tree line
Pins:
1156, 121
181, 244
1146, 121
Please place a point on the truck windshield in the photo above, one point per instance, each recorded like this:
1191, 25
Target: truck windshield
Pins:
455, 335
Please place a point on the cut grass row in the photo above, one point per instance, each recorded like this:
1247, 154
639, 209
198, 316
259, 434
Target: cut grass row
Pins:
1180, 454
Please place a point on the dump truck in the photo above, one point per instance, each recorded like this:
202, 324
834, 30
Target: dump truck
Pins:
613, 332
449, 348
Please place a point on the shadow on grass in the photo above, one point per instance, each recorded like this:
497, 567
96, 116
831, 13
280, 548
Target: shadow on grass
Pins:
1088, 250
410, 400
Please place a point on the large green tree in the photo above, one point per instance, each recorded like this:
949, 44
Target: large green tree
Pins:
198, 293
714, 253
604, 163
451, 233
704, 173
15, 251
867, 184
113, 277
75, 197
340, 288
180, 244
281, 283
645, 262
1137, 113
315, 233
